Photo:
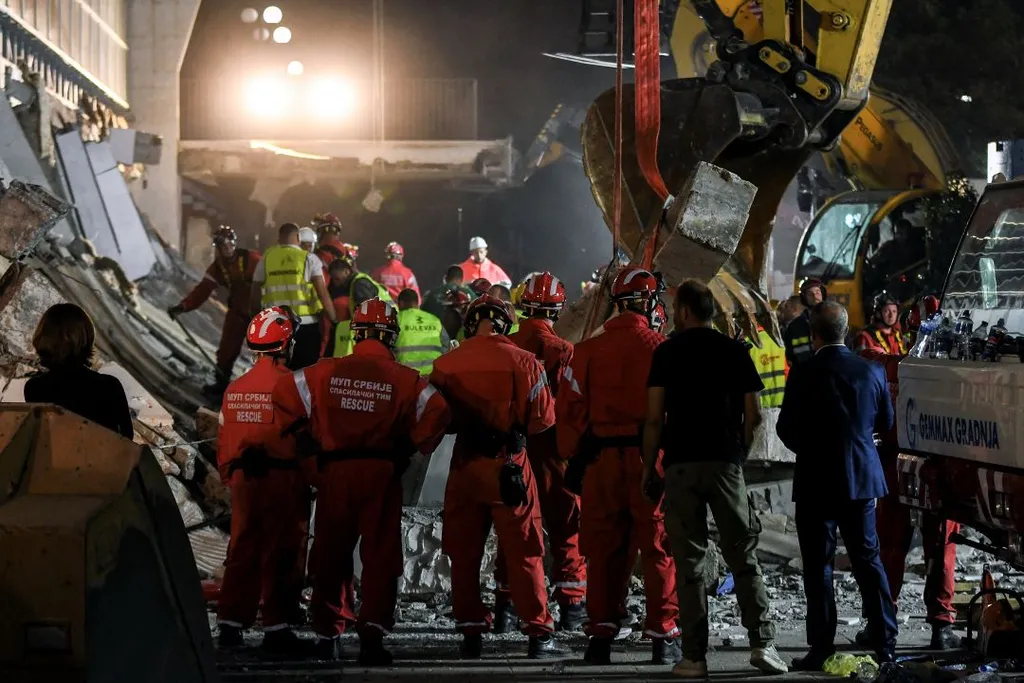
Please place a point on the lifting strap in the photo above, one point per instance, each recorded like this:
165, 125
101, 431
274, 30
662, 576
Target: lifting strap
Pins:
647, 104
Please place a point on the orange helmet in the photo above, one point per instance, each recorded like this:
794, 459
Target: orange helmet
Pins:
374, 315
544, 295
326, 223
225, 235
480, 285
272, 330
486, 307
394, 250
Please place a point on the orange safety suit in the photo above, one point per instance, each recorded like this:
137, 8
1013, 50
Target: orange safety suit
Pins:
560, 507
493, 387
488, 270
235, 274
269, 504
873, 338
896, 528
396, 276
603, 395
369, 415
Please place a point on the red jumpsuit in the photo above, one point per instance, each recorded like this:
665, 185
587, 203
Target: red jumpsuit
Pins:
269, 509
605, 391
560, 507
493, 386
368, 414
396, 276
895, 529
235, 274
328, 249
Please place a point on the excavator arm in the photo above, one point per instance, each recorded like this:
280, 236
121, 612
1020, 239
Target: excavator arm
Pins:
761, 110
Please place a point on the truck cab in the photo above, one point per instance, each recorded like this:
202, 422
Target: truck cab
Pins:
958, 420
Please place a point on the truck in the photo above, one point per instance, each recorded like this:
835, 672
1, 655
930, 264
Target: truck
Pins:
961, 422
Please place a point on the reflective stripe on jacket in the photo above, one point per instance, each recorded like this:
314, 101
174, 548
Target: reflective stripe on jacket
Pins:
770, 361
420, 340
343, 342
286, 283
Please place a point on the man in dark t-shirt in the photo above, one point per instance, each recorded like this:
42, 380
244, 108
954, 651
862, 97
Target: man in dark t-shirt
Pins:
702, 408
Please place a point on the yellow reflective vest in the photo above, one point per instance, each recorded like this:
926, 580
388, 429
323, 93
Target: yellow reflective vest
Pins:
419, 339
343, 342
770, 360
286, 284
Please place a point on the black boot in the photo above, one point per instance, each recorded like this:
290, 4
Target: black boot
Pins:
572, 616
599, 651
864, 639
547, 647
505, 619
327, 649
812, 661
943, 638
285, 643
666, 651
372, 651
229, 637
472, 646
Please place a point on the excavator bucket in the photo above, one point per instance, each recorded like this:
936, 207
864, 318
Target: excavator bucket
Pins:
702, 123
97, 579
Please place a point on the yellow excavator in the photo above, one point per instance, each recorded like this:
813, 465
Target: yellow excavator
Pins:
893, 155
786, 81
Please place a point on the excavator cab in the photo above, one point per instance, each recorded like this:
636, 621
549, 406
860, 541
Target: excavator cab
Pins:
759, 112
865, 242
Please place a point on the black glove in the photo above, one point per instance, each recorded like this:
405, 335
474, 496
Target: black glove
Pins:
575, 471
175, 311
512, 485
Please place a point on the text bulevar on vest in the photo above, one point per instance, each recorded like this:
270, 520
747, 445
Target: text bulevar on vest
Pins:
419, 339
286, 284
343, 343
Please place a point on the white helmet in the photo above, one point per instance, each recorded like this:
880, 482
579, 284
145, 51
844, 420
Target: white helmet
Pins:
307, 236
477, 243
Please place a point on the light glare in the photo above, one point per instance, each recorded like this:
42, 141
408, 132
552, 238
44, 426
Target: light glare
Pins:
331, 97
249, 15
295, 68
273, 15
282, 35
265, 97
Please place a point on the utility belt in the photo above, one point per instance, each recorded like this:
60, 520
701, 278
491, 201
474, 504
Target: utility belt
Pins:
599, 443
324, 458
491, 443
589, 448
256, 463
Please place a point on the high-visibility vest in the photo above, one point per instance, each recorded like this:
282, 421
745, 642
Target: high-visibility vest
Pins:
419, 339
343, 342
286, 284
770, 360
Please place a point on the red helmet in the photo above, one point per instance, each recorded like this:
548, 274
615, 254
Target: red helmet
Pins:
486, 307
544, 293
634, 284
480, 285
272, 330
351, 250
812, 282
457, 298
374, 315
224, 235
658, 317
394, 250
326, 224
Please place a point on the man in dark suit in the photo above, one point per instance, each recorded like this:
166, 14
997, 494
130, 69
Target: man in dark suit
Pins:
834, 404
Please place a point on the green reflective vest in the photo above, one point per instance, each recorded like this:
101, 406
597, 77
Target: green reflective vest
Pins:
285, 283
419, 341
770, 361
343, 342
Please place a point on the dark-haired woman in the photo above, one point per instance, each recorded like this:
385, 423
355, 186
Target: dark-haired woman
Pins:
65, 342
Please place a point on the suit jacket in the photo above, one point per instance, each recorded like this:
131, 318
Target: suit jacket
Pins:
833, 405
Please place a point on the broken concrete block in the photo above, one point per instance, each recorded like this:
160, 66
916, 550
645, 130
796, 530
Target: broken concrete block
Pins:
23, 304
27, 213
207, 424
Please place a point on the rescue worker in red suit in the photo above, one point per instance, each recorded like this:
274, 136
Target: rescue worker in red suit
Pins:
542, 300
499, 395
884, 333
328, 244
367, 416
231, 268
601, 410
396, 276
480, 286
896, 530
456, 301
269, 498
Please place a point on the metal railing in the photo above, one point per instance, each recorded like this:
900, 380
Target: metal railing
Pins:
414, 109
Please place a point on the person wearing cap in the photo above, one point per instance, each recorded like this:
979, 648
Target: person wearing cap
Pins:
307, 239
479, 266
233, 269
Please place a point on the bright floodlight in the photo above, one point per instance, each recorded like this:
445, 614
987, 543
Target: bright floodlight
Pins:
249, 16
295, 68
282, 35
265, 97
966, 98
273, 15
331, 97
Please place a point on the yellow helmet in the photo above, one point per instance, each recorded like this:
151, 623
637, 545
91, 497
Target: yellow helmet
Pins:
517, 293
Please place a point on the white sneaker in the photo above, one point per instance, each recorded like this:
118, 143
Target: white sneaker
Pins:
688, 669
767, 660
